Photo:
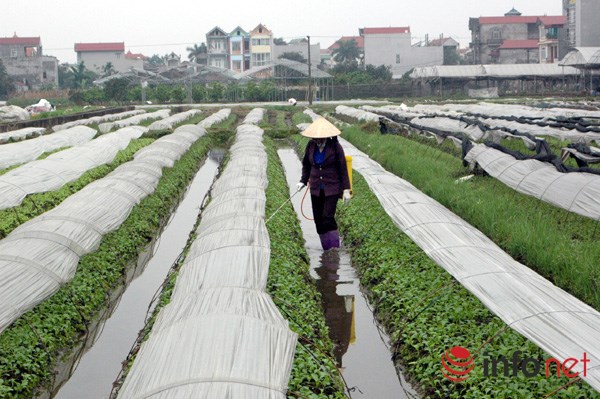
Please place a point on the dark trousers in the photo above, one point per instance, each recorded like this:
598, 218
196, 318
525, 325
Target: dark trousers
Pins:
324, 212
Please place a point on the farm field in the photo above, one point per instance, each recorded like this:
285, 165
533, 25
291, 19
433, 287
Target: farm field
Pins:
472, 226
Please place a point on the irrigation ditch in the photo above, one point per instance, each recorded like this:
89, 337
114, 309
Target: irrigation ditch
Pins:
95, 370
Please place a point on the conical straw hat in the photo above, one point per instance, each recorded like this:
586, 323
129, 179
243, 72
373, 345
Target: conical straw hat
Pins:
320, 129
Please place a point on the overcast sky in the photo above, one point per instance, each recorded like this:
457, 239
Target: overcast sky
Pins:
150, 27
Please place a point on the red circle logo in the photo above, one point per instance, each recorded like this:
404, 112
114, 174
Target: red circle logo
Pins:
457, 363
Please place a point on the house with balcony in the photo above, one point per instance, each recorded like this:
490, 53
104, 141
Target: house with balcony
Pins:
261, 46
95, 57
217, 45
26, 65
239, 50
553, 38
507, 39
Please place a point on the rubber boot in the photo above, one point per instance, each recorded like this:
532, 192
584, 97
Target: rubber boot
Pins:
329, 240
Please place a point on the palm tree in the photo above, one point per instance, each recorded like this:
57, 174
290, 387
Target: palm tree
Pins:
347, 52
197, 53
79, 75
108, 69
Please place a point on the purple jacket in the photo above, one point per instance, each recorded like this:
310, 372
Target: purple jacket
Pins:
332, 174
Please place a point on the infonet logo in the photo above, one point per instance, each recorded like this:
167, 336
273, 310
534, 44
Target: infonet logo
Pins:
458, 362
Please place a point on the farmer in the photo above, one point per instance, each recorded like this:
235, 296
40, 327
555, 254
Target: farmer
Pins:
324, 165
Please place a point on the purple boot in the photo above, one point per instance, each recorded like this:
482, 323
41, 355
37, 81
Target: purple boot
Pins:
329, 240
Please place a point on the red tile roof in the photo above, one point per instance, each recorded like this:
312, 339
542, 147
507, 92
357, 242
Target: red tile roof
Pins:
519, 44
360, 41
553, 20
134, 56
508, 20
22, 41
383, 31
82, 47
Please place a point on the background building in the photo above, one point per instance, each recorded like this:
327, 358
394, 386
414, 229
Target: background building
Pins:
217, 43
553, 39
25, 63
239, 50
511, 39
96, 56
261, 46
392, 47
583, 22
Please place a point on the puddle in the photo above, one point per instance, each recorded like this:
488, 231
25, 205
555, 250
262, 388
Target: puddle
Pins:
100, 365
362, 348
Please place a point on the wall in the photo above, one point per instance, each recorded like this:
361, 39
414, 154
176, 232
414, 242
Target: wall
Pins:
518, 56
396, 51
588, 23
96, 60
315, 51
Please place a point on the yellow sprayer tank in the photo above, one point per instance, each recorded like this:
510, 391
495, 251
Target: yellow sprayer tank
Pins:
349, 166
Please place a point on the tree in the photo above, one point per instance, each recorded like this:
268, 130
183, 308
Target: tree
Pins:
116, 89
215, 91
81, 76
347, 52
156, 60
451, 56
197, 53
294, 56
6, 83
381, 73
108, 69
279, 41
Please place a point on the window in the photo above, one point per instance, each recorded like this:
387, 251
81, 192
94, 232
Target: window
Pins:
236, 47
397, 58
30, 51
13, 53
496, 34
260, 42
552, 33
237, 65
544, 53
261, 58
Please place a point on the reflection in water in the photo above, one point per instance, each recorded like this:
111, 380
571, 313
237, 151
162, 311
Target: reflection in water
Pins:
339, 310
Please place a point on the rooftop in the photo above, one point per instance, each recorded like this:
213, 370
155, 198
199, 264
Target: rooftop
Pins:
114, 46
519, 44
22, 41
384, 31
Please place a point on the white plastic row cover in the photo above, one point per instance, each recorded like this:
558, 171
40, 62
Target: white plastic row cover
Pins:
221, 335
28, 150
551, 318
134, 120
575, 192
97, 119
41, 255
167, 123
21, 134
63, 167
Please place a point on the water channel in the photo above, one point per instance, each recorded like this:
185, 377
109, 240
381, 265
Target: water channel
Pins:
362, 349
99, 366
